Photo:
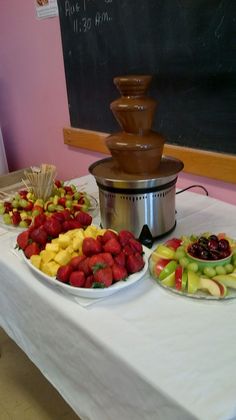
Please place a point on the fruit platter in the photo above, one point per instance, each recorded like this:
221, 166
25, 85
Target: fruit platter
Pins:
83, 260
20, 209
197, 266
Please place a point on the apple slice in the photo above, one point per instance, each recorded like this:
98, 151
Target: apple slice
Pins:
168, 269
178, 277
184, 281
169, 280
226, 279
173, 243
165, 252
214, 287
193, 282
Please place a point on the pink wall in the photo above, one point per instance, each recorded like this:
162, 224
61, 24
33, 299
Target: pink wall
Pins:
33, 99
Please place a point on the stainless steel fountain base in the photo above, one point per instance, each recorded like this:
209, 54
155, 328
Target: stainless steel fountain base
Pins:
145, 206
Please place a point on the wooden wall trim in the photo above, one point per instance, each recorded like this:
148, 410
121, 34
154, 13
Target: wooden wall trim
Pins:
218, 166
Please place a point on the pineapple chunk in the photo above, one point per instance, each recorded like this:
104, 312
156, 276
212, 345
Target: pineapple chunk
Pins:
47, 255
50, 268
36, 260
64, 240
70, 249
91, 231
63, 257
54, 247
77, 243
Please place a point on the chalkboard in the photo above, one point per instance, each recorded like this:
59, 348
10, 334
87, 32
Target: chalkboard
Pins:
187, 45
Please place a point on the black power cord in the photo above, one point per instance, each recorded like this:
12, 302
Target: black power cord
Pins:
193, 186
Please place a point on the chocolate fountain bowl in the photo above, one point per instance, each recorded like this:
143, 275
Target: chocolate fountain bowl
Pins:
142, 204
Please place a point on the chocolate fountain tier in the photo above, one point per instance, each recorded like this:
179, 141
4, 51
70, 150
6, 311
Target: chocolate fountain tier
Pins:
136, 149
107, 173
136, 154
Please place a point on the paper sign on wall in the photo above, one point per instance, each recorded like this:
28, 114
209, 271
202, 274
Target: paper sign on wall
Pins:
46, 8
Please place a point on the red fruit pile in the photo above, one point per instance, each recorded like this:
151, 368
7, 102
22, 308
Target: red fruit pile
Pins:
45, 228
107, 259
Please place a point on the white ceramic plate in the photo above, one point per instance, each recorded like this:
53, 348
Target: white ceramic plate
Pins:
91, 293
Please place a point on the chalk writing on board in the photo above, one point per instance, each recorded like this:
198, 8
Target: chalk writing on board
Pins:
82, 20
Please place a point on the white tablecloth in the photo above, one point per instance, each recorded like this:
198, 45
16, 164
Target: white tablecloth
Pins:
142, 353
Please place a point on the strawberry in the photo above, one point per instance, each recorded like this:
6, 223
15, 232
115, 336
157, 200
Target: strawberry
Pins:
62, 201
135, 245
96, 261
63, 273
84, 266
32, 249
108, 258
29, 206
112, 246
23, 239
39, 219
58, 183
104, 276
84, 218
109, 234
91, 246
70, 224
119, 272
23, 193
15, 218
53, 227
68, 189
75, 261
89, 281
128, 250
77, 279
120, 258
134, 263
124, 236
39, 235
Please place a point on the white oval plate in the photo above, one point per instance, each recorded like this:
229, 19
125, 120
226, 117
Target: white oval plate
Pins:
92, 293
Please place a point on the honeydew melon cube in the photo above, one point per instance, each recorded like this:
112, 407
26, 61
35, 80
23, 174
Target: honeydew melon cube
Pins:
36, 260
63, 257
47, 255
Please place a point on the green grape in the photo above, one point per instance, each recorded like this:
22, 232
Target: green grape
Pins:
192, 266
179, 253
220, 269
209, 271
7, 219
184, 262
15, 203
51, 208
229, 268
2, 210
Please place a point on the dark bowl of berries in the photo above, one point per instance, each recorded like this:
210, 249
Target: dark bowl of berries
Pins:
210, 251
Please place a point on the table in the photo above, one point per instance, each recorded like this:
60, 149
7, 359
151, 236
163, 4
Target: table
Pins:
139, 354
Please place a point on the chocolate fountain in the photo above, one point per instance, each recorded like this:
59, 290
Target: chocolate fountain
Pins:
137, 184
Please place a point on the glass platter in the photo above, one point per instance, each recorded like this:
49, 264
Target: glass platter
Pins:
199, 295
91, 293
